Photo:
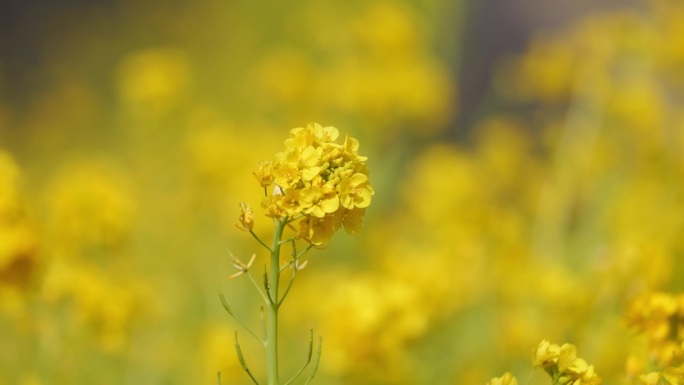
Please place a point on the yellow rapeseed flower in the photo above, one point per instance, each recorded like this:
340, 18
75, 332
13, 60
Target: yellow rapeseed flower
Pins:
652, 378
674, 375
546, 354
355, 191
562, 363
322, 183
319, 200
506, 379
318, 231
351, 220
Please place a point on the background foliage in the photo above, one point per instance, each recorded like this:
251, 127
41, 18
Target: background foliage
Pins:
129, 132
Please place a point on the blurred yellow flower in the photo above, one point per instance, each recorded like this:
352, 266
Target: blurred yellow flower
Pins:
98, 302
652, 378
674, 375
91, 204
506, 379
658, 317
546, 354
153, 81
18, 237
563, 365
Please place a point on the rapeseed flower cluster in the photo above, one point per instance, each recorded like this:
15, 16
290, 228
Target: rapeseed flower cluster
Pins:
659, 318
672, 375
563, 365
318, 182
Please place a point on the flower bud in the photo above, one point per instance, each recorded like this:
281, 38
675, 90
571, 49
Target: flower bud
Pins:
264, 173
246, 218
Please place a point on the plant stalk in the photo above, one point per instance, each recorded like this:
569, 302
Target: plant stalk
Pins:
272, 327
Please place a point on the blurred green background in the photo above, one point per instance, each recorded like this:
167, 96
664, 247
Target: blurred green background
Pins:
527, 159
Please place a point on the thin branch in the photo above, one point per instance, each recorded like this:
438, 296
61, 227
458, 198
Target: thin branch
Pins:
263, 323
289, 285
294, 260
304, 252
308, 359
265, 296
284, 241
260, 241
242, 359
293, 254
290, 220
294, 248
318, 360
230, 311
267, 286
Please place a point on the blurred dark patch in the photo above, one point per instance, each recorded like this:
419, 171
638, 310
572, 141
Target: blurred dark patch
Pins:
27, 29
499, 28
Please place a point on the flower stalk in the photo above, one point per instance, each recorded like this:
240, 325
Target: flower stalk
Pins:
318, 186
273, 305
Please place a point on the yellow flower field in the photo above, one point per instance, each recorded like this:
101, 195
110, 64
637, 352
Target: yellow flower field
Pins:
148, 148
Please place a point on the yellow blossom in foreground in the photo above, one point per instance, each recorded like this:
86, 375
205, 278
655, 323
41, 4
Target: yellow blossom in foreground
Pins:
355, 191
658, 317
652, 378
319, 200
506, 379
322, 183
317, 231
546, 354
674, 375
562, 363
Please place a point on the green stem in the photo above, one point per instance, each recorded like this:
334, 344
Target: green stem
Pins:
260, 241
295, 258
272, 327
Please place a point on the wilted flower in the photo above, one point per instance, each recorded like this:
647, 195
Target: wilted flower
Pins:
241, 266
